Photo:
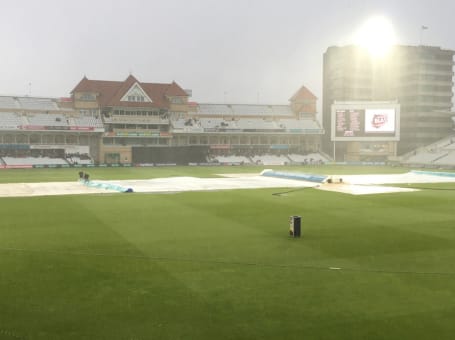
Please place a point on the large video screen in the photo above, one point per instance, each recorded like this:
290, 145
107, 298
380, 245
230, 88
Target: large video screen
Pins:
380, 121
363, 123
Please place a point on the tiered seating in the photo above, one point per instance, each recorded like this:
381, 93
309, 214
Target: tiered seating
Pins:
39, 104
220, 123
449, 146
43, 119
257, 124
33, 161
271, 160
442, 144
298, 158
312, 158
197, 125
448, 159
187, 125
211, 123
440, 153
214, 109
243, 110
79, 159
426, 157
281, 110
10, 121
299, 124
252, 110
317, 157
8, 103
179, 123
232, 160
88, 121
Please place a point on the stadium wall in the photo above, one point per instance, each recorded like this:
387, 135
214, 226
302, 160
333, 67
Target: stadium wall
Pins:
180, 155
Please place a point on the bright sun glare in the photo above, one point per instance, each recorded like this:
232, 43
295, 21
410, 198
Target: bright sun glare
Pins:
377, 36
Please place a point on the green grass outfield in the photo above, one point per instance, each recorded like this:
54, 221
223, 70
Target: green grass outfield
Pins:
220, 265
70, 174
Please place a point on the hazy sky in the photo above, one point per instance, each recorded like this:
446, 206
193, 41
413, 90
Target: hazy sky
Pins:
242, 51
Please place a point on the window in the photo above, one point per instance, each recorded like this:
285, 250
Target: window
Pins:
136, 98
177, 100
34, 139
136, 94
21, 139
8, 139
87, 97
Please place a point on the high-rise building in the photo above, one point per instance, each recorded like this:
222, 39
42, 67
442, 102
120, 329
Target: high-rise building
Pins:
418, 78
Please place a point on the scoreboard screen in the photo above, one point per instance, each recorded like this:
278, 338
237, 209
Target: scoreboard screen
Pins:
364, 123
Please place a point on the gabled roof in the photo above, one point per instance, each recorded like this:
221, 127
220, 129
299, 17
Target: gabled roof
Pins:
303, 94
136, 90
174, 90
110, 93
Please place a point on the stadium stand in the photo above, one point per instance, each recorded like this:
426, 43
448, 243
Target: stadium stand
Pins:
440, 154
244, 110
179, 123
37, 104
316, 156
8, 103
215, 109
209, 123
282, 110
217, 123
79, 159
251, 124
29, 103
299, 124
296, 158
87, 121
11, 161
448, 159
313, 158
241, 160
10, 121
43, 119
426, 157
132, 122
14, 121
252, 110
271, 159
191, 125
38, 132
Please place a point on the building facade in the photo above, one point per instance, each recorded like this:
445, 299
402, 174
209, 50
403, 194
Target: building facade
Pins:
132, 122
133, 113
156, 123
418, 78
37, 127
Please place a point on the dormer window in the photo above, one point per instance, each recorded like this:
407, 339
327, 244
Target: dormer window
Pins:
177, 100
136, 98
136, 94
87, 97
